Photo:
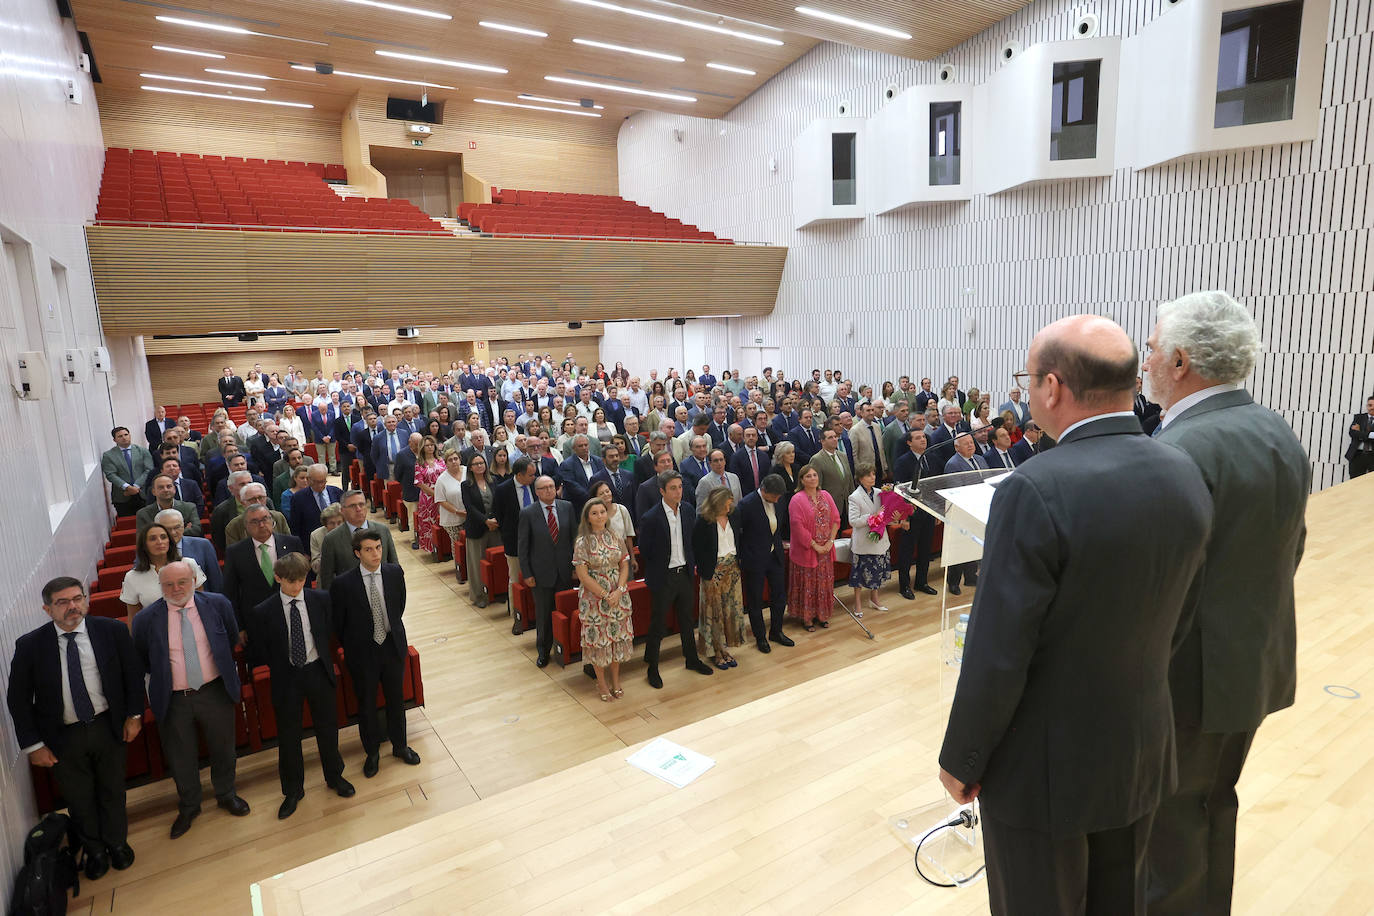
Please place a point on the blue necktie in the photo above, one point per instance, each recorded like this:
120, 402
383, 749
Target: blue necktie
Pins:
391, 447
526, 497
1154, 434
81, 698
128, 460
322, 498
190, 655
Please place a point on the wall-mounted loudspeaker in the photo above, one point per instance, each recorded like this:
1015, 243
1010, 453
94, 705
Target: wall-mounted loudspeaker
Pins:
1085, 26
844, 108
679, 321
574, 325
945, 74
890, 92
1009, 51
677, 135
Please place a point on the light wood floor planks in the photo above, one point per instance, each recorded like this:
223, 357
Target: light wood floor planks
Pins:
793, 819
493, 722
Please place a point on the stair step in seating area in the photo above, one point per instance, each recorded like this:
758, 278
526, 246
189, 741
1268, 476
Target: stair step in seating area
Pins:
230, 192
541, 214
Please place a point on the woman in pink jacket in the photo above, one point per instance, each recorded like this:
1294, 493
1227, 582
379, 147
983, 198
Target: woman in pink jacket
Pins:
811, 576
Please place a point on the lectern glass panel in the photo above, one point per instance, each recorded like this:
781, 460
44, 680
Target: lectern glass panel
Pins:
1257, 67
843, 169
1073, 109
944, 142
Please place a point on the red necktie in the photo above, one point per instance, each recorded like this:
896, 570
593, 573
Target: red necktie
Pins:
553, 525
723, 481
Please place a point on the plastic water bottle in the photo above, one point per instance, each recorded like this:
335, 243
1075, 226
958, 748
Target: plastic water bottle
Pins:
960, 633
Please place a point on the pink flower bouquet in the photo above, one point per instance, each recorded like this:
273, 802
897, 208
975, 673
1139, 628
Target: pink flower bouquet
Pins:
894, 510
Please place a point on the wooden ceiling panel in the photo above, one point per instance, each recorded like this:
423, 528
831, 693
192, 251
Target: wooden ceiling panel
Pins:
347, 36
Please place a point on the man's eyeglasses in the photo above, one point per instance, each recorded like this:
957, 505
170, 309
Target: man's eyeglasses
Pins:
1024, 376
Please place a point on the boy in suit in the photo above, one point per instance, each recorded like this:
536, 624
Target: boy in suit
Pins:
369, 601
292, 629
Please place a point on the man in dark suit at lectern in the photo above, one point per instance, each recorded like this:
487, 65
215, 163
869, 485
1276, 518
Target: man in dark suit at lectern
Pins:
1238, 662
1062, 722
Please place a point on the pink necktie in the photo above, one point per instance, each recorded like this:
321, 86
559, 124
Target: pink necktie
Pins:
754, 463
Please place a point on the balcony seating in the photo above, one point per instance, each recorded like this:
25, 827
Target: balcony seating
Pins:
538, 214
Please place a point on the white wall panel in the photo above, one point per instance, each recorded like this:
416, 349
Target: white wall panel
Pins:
50, 162
1271, 225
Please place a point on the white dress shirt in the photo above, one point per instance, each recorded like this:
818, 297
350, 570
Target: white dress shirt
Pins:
1197, 397
725, 541
771, 510
676, 557
311, 654
1114, 413
90, 673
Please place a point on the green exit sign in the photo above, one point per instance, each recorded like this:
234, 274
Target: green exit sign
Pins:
417, 143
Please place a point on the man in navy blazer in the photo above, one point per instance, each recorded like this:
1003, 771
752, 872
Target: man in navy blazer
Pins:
806, 440
621, 482
665, 548
647, 494
188, 688
374, 644
387, 443
764, 529
247, 579
159, 424
940, 440
578, 471
747, 457
307, 505
76, 698
1029, 446
785, 421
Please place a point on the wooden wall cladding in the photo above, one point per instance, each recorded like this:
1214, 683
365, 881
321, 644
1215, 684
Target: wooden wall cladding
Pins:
145, 120
190, 378
188, 281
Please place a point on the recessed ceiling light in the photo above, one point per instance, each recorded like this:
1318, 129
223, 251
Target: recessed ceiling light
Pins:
729, 69
544, 98
657, 55
188, 51
187, 79
397, 8
232, 29
585, 114
232, 98
613, 88
369, 76
853, 23
519, 30
462, 65
247, 76
660, 17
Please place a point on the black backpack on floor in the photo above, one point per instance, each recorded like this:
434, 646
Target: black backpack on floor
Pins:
50, 869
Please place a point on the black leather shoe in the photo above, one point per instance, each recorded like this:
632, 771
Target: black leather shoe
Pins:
234, 805
782, 640
288, 805
952, 588
517, 627
483, 602
183, 822
370, 765
343, 787
589, 671
414, 545
542, 661
655, 681
908, 594
97, 864
121, 857
407, 756
764, 647
700, 667
927, 590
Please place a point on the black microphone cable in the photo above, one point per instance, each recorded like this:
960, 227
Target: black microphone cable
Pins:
967, 818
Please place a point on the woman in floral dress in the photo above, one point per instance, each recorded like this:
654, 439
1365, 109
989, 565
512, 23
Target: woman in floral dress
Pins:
603, 569
722, 601
811, 559
427, 471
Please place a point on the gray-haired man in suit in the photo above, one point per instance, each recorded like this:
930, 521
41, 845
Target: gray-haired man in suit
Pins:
546, 533
1238, 662
1062, 722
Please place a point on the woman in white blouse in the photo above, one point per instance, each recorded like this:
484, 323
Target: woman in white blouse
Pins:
448, 496
722, 599
619, 521
600, 428
153, 551
869, 565
254, 388
292, 424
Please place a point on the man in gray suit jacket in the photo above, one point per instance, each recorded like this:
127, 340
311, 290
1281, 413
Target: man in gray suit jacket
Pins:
546, 556
124, 466
1238, 662
336, 550
1062, 722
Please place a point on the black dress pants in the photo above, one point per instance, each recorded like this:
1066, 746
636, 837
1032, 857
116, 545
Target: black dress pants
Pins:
379, 665
211, 708
1035, 873
1192, 863
914, 546
677, 593
293, 687
774, 575
90, 772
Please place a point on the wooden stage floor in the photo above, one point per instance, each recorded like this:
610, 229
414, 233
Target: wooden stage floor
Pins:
524, 802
